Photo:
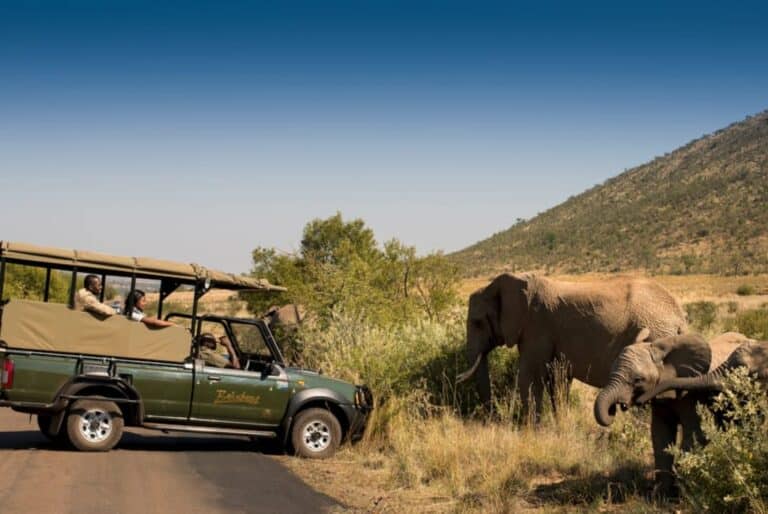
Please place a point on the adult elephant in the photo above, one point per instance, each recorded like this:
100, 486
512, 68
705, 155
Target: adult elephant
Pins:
585, 323
289, 317
643, 371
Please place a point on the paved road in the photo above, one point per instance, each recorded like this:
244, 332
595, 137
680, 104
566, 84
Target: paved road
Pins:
148, 473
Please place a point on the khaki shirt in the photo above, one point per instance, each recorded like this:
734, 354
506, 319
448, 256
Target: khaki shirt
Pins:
87, 301
214, 358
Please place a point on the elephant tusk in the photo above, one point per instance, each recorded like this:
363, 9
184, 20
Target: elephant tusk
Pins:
471, 371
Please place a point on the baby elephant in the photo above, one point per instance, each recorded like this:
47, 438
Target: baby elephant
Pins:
752, 355
638, 375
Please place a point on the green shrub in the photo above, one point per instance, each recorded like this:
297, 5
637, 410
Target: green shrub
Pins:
701, 315
753, 323
745, 290
730, 473
28, 283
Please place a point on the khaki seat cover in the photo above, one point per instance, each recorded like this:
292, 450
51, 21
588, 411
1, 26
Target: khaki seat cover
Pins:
55, 327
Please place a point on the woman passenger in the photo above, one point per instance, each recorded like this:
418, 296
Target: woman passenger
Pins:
135, 304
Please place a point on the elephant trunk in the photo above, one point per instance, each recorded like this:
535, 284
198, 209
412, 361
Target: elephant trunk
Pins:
478, 355
484, 381
605, 404
708, 382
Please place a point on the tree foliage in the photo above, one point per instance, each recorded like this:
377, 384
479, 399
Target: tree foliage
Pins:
28, 283
340, 269
729, 473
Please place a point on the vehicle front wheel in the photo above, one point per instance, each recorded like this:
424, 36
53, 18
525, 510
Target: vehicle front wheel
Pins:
94, 425
316, 434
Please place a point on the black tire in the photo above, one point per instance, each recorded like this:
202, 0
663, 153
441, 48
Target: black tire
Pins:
316, 434
44, 423
94, 425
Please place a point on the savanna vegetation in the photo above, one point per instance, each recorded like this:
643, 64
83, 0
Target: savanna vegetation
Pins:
699, 209
384, 316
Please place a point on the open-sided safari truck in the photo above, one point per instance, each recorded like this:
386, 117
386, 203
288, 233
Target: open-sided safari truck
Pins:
86, 378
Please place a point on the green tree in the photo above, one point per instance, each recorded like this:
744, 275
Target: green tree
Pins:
340, 270
28, 283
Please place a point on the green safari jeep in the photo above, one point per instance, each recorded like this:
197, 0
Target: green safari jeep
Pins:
86, 377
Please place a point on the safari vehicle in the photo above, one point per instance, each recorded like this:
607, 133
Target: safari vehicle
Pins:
86, 378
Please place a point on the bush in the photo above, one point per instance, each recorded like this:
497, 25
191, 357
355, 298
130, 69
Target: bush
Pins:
341, 271
753, 323
730, 473
701, 315
745, 290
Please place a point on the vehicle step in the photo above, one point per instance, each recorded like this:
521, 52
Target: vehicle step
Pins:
165, 427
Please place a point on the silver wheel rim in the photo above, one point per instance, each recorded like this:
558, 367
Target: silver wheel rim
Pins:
316, 436
95, 425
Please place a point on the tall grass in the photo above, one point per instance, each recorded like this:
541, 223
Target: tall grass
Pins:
428, 430
436, 443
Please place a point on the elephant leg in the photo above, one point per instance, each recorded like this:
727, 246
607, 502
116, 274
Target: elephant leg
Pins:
663, 433
691, 422
558, 381
531, 381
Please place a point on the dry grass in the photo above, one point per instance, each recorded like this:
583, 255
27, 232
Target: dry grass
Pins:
443, 463
426, 460
215, 301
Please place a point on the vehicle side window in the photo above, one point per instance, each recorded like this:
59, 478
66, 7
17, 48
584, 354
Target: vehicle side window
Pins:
250, 339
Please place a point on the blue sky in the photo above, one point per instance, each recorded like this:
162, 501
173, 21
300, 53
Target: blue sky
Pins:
196, 131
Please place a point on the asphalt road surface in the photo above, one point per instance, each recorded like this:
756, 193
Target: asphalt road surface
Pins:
149, 472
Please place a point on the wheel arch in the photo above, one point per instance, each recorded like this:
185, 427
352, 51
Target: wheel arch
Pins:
123, 394
327, 399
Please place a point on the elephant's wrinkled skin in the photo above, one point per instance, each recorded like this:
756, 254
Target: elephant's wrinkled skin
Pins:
752, 355
587, 323
640, 369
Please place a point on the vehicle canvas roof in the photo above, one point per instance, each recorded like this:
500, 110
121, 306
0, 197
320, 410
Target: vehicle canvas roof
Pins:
141, 267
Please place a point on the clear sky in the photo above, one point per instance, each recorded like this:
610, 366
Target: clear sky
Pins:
196, 131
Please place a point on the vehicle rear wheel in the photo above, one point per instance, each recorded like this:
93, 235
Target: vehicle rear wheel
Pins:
44, 423
316, 434
94, 425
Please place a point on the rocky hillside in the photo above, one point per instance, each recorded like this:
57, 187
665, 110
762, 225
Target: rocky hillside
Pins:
701, 208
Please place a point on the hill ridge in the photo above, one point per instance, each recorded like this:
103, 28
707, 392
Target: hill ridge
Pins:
700, 208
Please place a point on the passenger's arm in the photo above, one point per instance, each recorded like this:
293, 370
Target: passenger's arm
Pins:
92, 304
234, 361
156, 323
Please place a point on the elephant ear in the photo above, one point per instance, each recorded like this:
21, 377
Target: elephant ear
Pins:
511, 307
681, 356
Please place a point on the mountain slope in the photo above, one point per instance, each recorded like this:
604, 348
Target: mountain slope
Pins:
701, 208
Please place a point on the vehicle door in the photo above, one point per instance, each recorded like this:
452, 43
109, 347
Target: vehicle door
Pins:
255, 395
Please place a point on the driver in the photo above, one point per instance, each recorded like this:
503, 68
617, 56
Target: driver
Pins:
208, 353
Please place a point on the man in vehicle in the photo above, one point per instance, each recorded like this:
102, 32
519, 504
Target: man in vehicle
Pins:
87, 298
212, 357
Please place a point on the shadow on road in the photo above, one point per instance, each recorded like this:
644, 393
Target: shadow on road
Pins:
131, 441
25, 440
